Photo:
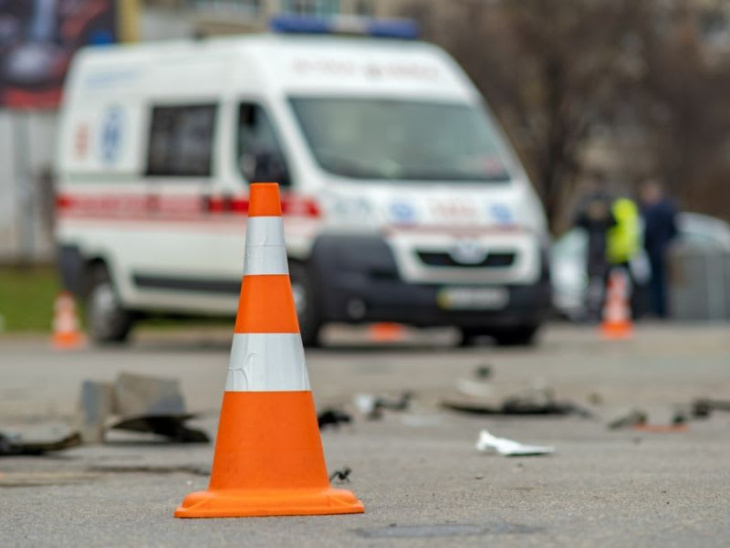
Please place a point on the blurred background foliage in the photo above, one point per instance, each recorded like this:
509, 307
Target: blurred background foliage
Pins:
633, 89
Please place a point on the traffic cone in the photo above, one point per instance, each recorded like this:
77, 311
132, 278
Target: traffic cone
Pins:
66, 331
268, 456
617, 322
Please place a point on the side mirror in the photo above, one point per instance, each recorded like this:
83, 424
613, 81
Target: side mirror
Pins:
264, 166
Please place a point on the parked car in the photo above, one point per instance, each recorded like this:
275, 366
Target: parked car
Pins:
569, 257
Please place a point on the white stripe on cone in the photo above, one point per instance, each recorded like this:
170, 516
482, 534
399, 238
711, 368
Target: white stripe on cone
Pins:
265, 249
267, 362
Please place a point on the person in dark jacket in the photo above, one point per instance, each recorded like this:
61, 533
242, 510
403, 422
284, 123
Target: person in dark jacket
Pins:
595, 216
660, 228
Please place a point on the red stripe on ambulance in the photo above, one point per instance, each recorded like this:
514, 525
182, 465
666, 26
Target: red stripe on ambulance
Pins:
162, 207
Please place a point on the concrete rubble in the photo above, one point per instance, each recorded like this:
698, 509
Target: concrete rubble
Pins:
135, 403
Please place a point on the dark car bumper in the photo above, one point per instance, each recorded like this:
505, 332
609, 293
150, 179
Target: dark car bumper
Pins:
358, 281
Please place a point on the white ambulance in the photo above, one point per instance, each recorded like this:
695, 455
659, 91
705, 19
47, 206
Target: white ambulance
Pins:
402, 200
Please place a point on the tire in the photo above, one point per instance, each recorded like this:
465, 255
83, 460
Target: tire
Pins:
108, 322
512, 336
307, 304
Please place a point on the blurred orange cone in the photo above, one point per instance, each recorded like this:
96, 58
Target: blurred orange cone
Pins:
617, 322
66, 331
268, 456
386, 332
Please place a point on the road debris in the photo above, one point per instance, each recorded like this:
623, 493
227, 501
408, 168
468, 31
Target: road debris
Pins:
479, 384
136, 403
509, 448
172, 427
525, 404
12, 444
341, 476
372, 406
635, 417
704, 407
332, 417
478, 395
638, 420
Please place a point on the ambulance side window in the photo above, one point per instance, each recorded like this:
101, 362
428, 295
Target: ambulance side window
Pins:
258, 150
181, 141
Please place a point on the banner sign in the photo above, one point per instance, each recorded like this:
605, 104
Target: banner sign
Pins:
38, 38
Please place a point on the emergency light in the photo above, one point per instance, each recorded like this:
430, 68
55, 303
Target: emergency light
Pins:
404, 29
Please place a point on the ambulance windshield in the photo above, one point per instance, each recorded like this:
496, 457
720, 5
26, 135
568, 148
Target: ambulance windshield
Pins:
372, 138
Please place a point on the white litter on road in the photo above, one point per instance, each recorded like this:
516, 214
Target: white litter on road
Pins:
364, 403
509, 448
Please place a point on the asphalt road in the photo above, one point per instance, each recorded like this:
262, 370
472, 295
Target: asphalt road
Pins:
422, 482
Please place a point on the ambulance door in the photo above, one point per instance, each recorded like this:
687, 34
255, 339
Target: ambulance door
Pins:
180, 171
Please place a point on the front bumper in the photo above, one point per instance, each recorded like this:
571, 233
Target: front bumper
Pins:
357, 280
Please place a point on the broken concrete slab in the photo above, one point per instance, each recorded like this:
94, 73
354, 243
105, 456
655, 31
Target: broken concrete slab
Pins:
96, 405
136, 403
145, 395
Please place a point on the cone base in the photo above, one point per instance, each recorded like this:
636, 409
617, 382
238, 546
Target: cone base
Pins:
617, 331
68, 341
244, 503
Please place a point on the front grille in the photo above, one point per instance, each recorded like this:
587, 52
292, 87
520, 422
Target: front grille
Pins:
493, 260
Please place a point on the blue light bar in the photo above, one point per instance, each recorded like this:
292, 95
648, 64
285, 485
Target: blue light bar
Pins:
394, 28
403, 29
297, 24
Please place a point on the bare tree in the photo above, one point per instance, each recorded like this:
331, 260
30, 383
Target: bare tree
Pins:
552, 71
559, 73
682, 94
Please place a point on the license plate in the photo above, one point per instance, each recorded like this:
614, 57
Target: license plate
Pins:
472, 298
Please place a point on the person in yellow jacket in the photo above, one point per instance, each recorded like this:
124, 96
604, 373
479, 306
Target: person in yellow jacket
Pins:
623, 241
624, 238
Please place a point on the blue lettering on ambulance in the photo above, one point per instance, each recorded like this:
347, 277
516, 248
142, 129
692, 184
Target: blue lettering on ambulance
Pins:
111, 135
502, 214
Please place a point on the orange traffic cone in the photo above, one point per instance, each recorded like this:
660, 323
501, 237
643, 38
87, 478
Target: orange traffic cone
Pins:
386, 332
617, 322
66, 332
268, 456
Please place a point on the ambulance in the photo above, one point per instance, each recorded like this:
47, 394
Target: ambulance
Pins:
402, 200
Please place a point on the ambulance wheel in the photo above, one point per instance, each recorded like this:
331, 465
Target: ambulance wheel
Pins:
305, 300
107, 321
